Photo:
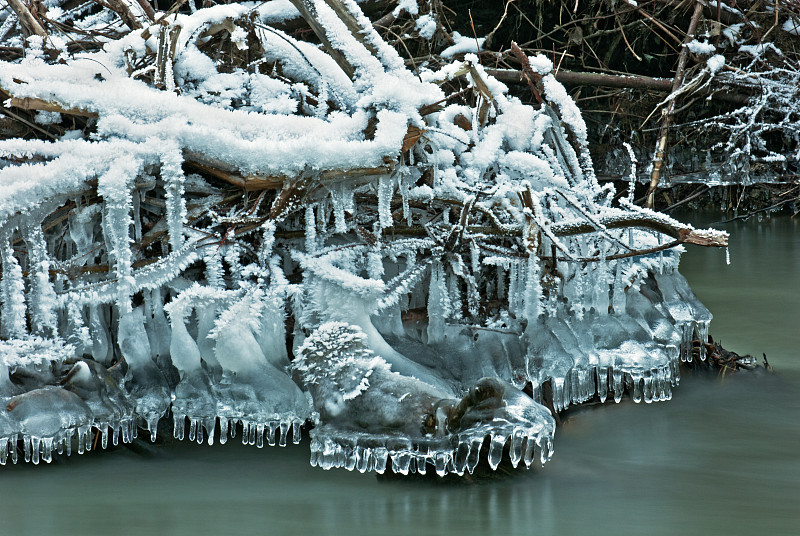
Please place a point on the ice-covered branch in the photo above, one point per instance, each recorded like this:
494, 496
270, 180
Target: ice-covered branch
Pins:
221, 198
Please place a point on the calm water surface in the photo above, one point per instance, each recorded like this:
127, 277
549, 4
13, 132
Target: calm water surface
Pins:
720, 458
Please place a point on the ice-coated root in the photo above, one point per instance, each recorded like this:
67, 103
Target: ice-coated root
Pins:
457, 454
273, 432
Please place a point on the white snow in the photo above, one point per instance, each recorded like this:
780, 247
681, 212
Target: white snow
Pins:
700, 47
409, 6
760, 49
426, 26
463, 45
715, 62
791, 25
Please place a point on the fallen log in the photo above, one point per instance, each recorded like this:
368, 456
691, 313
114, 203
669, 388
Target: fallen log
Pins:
575, 78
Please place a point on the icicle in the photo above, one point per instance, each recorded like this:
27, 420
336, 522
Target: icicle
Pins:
438, 303
385, 192
475, 257
284, 427
619, 386
152, 427
192, 429
515, 450
12, 290
84, 439
245, 431
381, 457
496, 445
513, 288
602, 383
232, 427
311, 229
441, 461
253, 429
260, 435
501, 283
36, 443
296, 433
533, 289
223, 430
460, 458
115, 188
273, 427
474, 454
547, 450
702, 335
43, 301
728, 256
529, 452
636, 388
648, 392
687, 330
454, 296
172, 175
102, 351
337, 200
401, 462
405, 184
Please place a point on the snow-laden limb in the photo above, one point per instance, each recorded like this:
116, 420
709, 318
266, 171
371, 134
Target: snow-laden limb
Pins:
290, 234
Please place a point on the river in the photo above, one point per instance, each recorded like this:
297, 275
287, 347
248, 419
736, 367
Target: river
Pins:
720, 458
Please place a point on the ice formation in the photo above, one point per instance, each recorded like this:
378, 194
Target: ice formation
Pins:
398, 262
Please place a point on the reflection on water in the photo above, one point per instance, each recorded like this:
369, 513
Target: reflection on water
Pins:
755, 300
720, 458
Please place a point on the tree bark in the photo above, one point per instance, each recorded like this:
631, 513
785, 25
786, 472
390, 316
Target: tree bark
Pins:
661, 146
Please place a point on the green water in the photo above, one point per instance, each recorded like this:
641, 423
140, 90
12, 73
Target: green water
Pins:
755, 299
720, 458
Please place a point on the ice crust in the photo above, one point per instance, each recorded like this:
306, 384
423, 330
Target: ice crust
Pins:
411, 353
411, 424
